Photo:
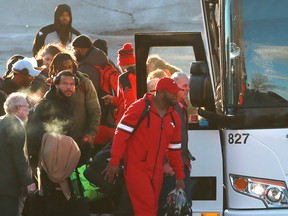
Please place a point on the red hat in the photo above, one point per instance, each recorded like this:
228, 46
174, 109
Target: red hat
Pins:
126, 55
167, 84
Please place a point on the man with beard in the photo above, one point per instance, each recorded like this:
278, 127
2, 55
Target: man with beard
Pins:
181, 106
53, 114
143, 147
60, 32
87, 111
88, 57
20, 78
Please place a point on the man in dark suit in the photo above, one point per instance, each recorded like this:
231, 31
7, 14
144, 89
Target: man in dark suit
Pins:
15, 179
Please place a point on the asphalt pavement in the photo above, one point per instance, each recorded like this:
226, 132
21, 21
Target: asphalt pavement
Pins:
116, 21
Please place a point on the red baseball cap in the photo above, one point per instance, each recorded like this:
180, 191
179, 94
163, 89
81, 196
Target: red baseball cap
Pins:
167, 84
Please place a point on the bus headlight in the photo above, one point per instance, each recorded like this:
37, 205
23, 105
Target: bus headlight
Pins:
275, 195
272, 193
257, 189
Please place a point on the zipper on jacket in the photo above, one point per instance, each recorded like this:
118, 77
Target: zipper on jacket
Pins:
162, 126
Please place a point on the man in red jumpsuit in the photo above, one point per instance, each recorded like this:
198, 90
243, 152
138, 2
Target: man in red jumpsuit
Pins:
143, 151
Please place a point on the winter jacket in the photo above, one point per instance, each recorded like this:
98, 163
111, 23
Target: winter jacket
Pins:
182, 112
59, 156
154, 137
87, 111
49, 34
76, 116
52, 114
126, 92
14, 166
8, 86
87, 65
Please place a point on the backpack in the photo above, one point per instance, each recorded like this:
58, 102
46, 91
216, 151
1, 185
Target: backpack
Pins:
108, 79
82, 187
93, 172
143, 115
108, 82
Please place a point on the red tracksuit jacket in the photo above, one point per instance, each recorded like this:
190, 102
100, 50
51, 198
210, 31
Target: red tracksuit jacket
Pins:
144, 151
126, 92
151, 140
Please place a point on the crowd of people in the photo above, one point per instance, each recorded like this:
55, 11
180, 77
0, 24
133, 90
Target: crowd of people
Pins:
70, 100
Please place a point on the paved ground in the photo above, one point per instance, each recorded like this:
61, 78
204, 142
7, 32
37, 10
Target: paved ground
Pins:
113, 20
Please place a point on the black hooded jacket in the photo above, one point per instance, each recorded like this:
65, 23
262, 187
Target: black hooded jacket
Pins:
53, 114
56, 32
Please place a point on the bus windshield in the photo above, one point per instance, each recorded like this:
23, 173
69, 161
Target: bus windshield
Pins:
256, 53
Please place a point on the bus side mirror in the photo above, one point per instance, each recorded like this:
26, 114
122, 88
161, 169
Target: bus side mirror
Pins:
201, 94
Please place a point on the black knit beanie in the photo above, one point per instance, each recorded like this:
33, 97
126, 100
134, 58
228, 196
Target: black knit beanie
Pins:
82, 41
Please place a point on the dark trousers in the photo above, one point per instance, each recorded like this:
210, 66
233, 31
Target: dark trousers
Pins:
9, 205
124, 206
169, 185
55, 204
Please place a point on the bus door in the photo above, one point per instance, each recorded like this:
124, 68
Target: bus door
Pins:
185, 52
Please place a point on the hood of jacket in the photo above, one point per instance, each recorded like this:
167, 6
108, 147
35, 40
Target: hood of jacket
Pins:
59, 10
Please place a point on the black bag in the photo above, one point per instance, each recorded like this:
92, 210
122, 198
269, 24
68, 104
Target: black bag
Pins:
94, 170
79, 206
34, 205
101, 160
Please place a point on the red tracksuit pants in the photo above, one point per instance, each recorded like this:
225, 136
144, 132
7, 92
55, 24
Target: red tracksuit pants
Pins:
143, 190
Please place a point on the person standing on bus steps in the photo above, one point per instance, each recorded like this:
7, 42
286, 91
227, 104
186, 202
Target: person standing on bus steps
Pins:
143, 151
16, 176
60, 32
182, 82
155, 62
